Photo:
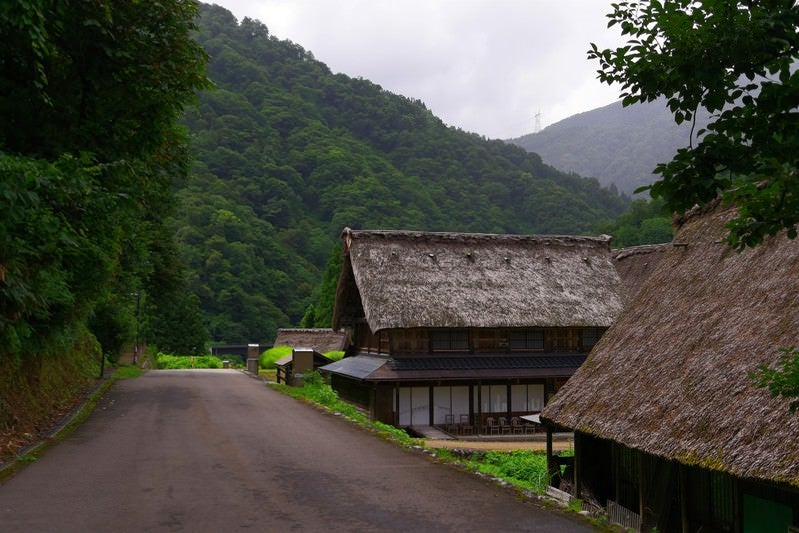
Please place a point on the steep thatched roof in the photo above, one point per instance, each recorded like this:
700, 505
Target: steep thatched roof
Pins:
635, 264
321, 340
670, 376
404, 279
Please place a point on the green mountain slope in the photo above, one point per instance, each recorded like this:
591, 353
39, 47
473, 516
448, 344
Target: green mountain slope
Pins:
617, 145
288, 153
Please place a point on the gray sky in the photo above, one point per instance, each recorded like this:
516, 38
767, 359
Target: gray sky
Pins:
486, 66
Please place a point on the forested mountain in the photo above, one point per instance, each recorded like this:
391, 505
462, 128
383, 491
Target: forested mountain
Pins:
617, 145
288, 153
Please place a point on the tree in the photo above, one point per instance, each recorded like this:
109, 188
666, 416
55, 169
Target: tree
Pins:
738, 61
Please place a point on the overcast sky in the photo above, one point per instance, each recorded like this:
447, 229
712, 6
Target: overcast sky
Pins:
486, 66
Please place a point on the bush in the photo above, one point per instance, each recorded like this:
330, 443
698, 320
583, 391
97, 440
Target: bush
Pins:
173, 362
267, 358
335, 355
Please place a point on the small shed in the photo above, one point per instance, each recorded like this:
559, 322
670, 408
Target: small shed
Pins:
292, 368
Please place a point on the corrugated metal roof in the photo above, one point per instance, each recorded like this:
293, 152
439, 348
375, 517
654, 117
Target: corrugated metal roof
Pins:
364, 367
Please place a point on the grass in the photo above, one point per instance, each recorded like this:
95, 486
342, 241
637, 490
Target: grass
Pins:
127, 372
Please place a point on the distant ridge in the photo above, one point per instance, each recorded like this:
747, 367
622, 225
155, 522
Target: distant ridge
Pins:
616, 145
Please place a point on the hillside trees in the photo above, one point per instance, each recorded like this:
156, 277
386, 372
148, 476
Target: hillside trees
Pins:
89, 95
736, 60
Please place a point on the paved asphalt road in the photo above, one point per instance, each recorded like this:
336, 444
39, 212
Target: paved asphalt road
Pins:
219, 451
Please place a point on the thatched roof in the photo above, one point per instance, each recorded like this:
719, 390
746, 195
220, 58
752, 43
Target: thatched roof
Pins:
635, 263
405, 279
670, 377
321, 340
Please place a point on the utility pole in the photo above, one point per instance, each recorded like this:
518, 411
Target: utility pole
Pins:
136, 345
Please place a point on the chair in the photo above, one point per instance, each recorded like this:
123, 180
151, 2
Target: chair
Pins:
493, 427
503, 425
449, 423
516, 425
465, 425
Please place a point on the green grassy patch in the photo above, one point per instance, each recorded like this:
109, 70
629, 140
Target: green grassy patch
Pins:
127, 372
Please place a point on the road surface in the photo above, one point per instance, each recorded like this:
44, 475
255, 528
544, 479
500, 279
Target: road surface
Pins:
219, 451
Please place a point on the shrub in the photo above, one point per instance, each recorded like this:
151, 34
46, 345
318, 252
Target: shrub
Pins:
335, 355
267, 358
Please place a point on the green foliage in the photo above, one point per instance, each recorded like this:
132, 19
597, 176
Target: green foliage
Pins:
268, 357
320, 315
736, 60
127, 372
174, 362
783, 379
521, 467
644, 222
178, 327
89, 95
335, 355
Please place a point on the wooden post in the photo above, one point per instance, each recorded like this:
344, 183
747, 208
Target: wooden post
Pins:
578, 446
641, 480
683, 480
552, 465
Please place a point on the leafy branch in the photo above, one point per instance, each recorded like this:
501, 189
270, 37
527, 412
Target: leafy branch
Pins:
783, 379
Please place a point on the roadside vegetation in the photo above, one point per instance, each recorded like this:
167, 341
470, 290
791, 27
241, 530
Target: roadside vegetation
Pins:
175, 362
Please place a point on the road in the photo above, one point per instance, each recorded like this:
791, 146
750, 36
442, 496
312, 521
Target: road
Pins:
219, 451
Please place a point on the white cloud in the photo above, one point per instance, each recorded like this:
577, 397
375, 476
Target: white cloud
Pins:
486, 66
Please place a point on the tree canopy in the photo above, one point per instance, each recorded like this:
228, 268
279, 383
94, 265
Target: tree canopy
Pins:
737, 60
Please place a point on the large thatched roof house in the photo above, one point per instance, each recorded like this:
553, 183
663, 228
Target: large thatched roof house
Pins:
668, 423
451, 325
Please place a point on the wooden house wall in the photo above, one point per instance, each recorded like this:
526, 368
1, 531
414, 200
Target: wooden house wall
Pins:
415, 341
677, 497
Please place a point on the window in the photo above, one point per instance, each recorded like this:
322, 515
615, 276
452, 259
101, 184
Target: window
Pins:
449, 340
589, 337
526, 340
563, 340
